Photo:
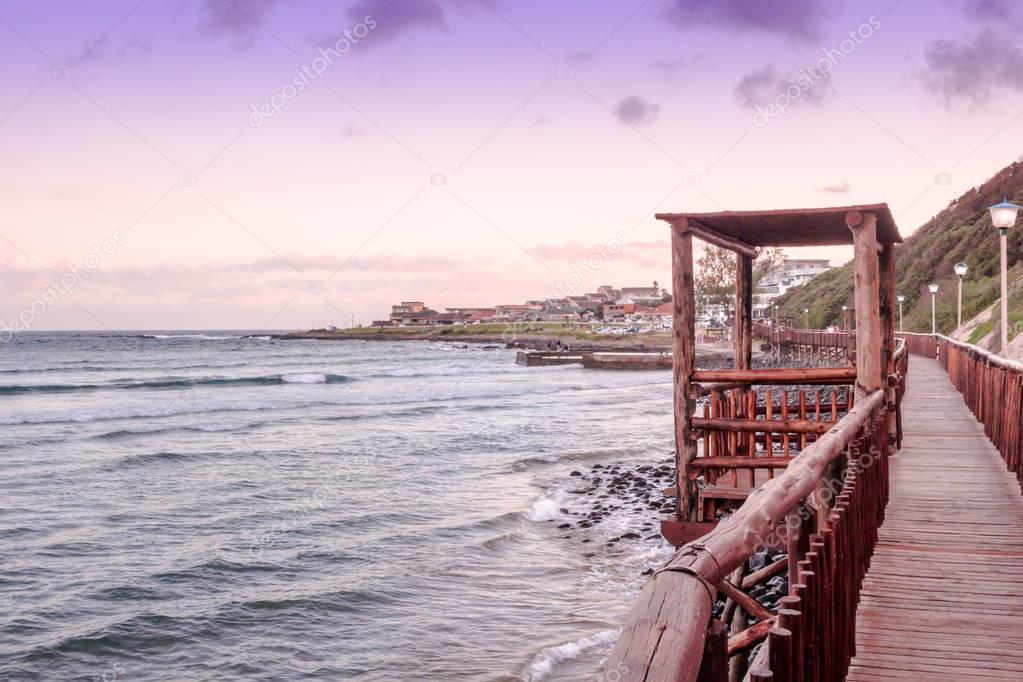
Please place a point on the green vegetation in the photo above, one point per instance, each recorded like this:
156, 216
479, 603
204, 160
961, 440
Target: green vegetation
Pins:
961, 232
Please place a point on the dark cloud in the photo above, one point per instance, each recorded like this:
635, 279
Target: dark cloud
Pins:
988, 11
389, 20
634, 110
762, 86
235, 17
795, 19
971, 70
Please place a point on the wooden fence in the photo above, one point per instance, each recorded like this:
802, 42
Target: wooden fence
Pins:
991, 385
697, 618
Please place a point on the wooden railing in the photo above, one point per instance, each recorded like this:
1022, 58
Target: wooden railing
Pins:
814, 344
699, 618
824, 510
991, 385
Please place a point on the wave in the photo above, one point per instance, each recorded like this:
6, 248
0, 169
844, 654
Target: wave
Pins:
129, 433
201, 337
173, 382
545, 661
562, 457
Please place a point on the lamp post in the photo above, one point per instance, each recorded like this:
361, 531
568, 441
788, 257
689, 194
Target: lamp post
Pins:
806, 318
1003, 216
934, 317
902, 299
960, 269
845, 318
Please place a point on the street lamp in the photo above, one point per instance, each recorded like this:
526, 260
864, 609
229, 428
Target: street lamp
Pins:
934, 319
1003, 216
845, 317
902, 299
806, 318
960, 269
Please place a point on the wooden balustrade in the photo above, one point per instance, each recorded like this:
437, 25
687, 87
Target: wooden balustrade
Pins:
991, 386
842, 479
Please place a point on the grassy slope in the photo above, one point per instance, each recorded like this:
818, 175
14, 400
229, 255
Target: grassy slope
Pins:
961, 232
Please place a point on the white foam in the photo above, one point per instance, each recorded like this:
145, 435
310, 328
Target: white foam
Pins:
547, 507
304, 378
545, 661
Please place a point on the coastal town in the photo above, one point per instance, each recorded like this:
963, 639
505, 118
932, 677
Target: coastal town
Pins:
643, 307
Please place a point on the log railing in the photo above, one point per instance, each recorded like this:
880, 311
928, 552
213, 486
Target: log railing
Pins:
991, 385
808, 344
694, 618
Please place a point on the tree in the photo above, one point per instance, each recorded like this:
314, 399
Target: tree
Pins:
716, 273
768, 260
715, 280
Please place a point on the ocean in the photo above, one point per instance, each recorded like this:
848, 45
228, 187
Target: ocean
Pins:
206, 506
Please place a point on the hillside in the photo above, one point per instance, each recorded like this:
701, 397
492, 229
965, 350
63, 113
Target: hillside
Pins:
961, 232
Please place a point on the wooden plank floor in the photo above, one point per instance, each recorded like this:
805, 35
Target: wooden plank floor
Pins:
943, 599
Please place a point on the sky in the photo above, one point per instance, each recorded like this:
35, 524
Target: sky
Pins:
281, 164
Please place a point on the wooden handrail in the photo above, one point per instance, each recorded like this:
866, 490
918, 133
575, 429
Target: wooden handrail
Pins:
830, 375
663, 636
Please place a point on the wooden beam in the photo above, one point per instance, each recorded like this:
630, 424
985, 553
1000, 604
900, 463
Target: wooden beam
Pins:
837, 375
748, 603
741, 462
683, 366
743, 311
762, 425
749, 638
689, 226
868, 302
888, 311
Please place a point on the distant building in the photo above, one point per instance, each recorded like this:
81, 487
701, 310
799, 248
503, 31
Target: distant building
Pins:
790, 273
406, 308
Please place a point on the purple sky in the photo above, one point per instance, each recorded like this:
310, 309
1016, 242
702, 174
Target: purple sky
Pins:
466, 152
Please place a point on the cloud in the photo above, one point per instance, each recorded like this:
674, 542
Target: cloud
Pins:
351, 130
634, 110
837, 189
989, 11
235, 17
800, 20
392, 18
969, 71
676, 65
645, 254
761, 86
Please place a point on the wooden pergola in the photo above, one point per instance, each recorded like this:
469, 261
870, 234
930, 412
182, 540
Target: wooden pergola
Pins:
871, 230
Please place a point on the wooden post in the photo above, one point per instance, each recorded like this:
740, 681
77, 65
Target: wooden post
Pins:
684, 351
743, 311
869, 366
886, 273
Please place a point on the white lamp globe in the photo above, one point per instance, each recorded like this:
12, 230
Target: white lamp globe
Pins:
1003, 215
902, 299
933, 288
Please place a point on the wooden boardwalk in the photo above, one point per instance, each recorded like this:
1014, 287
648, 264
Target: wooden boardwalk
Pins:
943, 599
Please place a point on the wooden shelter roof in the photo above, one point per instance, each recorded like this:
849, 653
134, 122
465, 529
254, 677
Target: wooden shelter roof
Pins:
790, 227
